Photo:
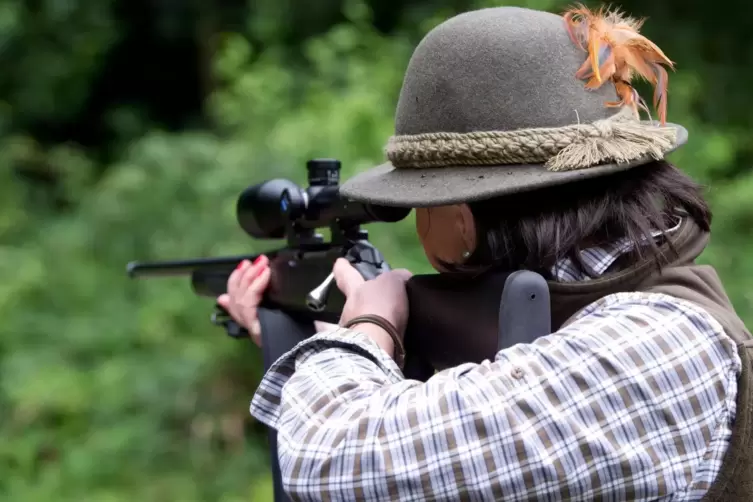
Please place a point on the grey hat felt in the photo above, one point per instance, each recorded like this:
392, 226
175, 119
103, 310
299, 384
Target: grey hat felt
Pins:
490, 105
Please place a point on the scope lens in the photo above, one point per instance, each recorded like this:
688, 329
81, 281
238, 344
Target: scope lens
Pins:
259, 209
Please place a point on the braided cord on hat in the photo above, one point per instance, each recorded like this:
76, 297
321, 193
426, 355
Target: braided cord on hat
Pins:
620, 138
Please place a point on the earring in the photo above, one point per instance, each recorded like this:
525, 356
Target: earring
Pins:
466, 254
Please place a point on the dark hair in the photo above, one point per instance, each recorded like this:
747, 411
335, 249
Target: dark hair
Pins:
534, 230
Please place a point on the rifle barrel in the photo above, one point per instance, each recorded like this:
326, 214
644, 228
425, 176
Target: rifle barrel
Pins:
182, 267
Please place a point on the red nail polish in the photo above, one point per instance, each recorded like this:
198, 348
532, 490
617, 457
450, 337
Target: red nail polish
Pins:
239, 265
258, 259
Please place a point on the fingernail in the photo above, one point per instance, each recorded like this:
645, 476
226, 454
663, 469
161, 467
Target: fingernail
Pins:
239, 265
258, 259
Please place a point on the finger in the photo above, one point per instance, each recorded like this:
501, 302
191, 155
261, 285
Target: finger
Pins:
250, 273
233, 280
224, 301
346, 277
251, 297
260, 283
255, 331
256, 288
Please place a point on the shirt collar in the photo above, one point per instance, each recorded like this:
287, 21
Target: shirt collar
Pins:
598, 259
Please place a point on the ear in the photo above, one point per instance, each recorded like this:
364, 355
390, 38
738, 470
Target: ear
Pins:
466, 225
446, 233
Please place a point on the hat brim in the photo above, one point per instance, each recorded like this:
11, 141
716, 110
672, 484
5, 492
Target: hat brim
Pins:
425, 187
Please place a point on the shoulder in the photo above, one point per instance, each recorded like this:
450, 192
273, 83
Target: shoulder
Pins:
651, 380
651, 310
637, 333
655, 321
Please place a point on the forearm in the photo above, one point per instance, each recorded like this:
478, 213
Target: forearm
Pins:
354, 431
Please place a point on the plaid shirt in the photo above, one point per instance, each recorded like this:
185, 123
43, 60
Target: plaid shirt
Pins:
635, 400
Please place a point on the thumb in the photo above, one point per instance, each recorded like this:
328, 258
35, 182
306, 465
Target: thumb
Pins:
346, 276
403, 274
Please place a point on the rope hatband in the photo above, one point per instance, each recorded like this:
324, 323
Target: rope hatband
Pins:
620, 138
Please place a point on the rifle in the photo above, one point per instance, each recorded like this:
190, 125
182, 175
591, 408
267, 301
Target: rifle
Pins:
500, 309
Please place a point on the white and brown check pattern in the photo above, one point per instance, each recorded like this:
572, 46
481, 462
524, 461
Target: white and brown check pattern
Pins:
633, 401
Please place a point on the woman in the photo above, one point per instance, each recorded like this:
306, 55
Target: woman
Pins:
513, 161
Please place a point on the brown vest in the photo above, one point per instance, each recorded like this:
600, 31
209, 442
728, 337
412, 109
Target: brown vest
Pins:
685, 279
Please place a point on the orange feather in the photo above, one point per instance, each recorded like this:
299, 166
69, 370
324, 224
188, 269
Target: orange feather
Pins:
617, 53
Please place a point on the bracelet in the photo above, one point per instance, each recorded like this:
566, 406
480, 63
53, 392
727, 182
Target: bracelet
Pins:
388, 327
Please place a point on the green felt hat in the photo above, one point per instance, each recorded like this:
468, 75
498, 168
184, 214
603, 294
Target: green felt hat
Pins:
491, 105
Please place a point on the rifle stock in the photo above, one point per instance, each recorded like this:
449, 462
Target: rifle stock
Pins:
453, 317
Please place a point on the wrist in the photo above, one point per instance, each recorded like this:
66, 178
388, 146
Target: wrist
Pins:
377, 334
383, 333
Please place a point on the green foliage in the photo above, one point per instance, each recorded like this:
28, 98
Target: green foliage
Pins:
54, 50
117, 390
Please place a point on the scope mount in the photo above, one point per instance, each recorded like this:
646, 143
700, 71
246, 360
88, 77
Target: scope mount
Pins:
324, 181
281, 209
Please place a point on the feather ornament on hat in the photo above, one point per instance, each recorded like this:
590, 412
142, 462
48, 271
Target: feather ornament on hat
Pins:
616, 53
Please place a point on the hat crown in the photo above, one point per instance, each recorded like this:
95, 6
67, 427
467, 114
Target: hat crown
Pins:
497, 69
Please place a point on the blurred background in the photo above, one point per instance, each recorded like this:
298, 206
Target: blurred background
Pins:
127, 130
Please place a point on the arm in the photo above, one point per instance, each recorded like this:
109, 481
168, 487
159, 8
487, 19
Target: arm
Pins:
631, 396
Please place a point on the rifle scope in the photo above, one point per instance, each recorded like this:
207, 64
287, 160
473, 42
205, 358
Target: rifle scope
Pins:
267, 210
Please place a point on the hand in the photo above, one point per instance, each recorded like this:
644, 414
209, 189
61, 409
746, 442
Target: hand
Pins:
245, 288
384, 296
